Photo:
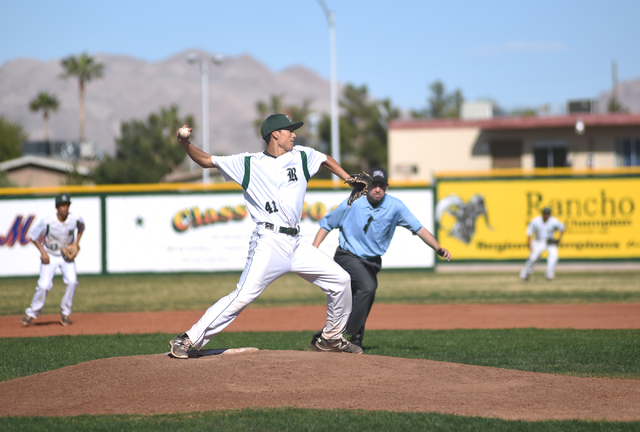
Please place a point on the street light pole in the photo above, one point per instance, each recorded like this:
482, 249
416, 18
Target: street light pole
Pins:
205, 114
335, 135
204, 68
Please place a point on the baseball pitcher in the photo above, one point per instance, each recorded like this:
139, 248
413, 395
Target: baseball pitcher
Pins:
274, 184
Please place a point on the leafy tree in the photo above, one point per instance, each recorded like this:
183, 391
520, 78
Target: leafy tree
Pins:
11, 137
455, 104
85, 69
296, 113
301, 113
265, 109
47, 103
363, 129
438, 101
4, 180
73, 177
146, 151
523, 112
441, 104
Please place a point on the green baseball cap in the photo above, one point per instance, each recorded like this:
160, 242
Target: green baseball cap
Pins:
275, 122
63, 199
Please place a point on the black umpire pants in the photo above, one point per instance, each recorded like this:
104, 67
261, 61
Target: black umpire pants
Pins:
364, 282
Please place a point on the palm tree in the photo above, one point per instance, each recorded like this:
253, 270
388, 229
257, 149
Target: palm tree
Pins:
47, 103
276, 106
85, 69
264, 109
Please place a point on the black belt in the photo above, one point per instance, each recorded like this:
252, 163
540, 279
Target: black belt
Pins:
282, 230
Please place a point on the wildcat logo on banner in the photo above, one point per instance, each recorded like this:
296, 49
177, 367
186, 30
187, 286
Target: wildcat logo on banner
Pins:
486, 219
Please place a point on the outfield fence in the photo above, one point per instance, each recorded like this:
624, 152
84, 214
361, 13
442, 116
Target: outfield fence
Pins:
484, 218
180, 227
480, 217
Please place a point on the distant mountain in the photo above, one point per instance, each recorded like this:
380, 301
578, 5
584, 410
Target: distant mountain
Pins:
628, 96
133, 88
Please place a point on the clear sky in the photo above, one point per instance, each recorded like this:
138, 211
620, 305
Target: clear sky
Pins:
520, 54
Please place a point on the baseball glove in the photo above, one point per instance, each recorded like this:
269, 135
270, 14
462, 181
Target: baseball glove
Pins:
553, 241
70, 252
360, 184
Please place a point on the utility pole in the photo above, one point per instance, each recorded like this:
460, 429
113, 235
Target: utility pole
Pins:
204, 68
335, 135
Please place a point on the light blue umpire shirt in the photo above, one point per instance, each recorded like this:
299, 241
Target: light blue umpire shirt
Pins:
366, 231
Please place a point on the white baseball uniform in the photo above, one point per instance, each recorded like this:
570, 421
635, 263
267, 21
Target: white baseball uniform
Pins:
543, 231
274, 191
56, 235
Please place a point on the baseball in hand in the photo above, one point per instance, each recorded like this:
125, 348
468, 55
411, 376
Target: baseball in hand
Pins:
184, 132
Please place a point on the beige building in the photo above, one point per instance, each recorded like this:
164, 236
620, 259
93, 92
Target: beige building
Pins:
36, 171
418, 149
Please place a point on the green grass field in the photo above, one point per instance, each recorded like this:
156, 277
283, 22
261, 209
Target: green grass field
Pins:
291, 419
197, 292
588, 353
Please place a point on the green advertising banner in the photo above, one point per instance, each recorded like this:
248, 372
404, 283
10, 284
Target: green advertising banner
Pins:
486, 219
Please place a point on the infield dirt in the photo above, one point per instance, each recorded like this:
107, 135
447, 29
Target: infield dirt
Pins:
153, 384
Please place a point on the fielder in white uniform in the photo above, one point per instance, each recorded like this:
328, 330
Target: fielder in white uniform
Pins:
274, 183
50, 235
540, 237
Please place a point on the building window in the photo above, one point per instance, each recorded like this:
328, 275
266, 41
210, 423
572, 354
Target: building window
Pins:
550, 154
628, 152
506, 154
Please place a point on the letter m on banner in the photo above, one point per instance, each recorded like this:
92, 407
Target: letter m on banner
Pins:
18, 231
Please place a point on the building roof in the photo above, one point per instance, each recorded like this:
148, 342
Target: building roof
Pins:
42, 162
525, 122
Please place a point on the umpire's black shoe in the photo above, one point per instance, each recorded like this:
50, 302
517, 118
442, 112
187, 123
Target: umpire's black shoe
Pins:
180, 346
356, 341
336, 345
315, 338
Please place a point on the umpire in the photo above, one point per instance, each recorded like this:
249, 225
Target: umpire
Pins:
366, 229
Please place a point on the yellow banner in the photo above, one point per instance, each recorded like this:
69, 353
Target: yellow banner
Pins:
487, 219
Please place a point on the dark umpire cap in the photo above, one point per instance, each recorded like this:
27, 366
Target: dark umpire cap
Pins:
546, 210
63, 199
378, 174
275, 122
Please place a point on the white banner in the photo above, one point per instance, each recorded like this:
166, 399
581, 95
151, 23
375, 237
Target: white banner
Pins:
175, 233
19, 257
210, 232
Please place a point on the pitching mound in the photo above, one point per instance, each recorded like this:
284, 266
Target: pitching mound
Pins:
155, 384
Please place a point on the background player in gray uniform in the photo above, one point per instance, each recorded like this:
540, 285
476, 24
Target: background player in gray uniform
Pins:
542, 229
50, 235
366, 230
274, 183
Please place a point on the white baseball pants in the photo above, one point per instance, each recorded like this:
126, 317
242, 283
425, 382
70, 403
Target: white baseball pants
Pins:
537, 247
270, 256
45, 283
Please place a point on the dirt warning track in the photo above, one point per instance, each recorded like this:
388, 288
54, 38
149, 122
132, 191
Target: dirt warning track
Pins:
311, 318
